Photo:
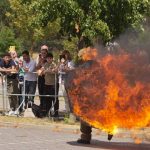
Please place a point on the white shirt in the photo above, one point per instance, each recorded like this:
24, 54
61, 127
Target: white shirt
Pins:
62, 74
71, 65
30, 75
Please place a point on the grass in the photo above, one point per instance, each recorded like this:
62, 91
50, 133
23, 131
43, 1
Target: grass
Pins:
34, 121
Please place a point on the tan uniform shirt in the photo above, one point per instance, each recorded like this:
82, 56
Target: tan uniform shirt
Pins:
49, 76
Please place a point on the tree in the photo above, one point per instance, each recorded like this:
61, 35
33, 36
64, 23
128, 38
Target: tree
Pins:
123, 14
89, 20
92, 18
7, 39
4, 7
7, 34
22, 15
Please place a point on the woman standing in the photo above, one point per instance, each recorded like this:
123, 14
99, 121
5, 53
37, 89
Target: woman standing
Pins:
66, 64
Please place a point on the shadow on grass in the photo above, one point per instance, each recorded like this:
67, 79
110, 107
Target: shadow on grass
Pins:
112, 145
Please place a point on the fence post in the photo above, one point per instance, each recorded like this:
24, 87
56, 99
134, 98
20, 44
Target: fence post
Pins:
2, 80
6, 93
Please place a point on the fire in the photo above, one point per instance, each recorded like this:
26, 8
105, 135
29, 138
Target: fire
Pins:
112, 91
88, 53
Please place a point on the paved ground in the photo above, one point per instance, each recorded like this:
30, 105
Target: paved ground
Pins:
16, 136
58, 138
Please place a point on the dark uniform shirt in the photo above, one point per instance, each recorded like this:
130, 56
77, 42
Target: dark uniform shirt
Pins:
9, 65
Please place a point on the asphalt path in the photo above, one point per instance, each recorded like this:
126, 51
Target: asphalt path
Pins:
61, 138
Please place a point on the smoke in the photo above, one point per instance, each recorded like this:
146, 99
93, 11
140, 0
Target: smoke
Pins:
132, 40
113, 89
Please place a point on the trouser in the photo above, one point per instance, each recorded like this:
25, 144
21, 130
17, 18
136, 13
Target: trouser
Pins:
64, 92
21, 97
30, 88
12, 88
41, 83
56, 106
48, 101
86, 131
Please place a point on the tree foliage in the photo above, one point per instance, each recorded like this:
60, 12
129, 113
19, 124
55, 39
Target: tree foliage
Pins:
7, 39
87, 20
4, 7
93, 18
22, 17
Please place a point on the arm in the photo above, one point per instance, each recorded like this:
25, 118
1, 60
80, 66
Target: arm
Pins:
69, 66
8, 70
13, 69
51, 69
32, 67
40, 62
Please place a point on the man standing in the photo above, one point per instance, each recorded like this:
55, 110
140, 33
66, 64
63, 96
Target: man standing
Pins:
30, 77
50, 86
85, 128
8, 68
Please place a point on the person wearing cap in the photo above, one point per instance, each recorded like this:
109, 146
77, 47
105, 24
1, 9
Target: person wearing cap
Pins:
42, 56
41, 60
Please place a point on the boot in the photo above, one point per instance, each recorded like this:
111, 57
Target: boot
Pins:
110, 136
81, 141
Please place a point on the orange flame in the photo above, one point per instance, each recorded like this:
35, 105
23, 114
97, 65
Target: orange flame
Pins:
88, 53
112, 92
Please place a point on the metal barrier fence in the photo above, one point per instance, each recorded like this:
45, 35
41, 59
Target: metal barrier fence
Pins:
3, 93
4, 107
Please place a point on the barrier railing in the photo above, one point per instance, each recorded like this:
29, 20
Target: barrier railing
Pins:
2, 92
5, 94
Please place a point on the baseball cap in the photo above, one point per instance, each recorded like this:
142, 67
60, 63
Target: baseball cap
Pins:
44, 47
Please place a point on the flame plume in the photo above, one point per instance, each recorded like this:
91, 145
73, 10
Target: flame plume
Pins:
112, 91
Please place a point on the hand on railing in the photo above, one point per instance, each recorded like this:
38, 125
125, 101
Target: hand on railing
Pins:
26, 69
8, 70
